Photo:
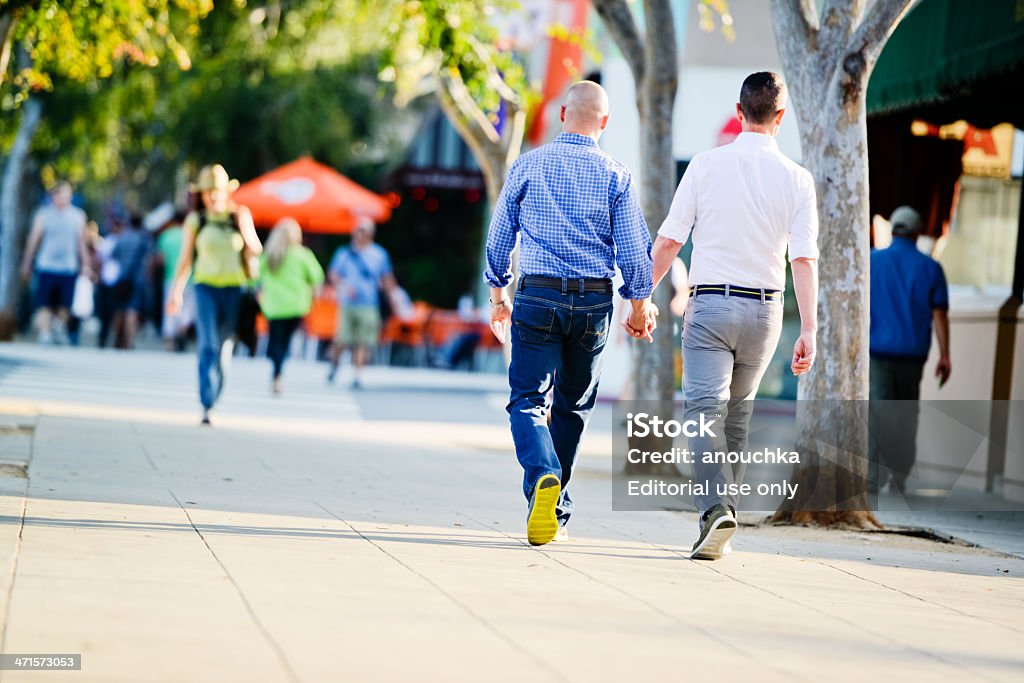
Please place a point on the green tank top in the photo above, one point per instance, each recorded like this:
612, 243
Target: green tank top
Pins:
219, 245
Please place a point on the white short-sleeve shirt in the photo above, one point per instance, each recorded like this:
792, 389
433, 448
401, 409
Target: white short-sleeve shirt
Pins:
745, 205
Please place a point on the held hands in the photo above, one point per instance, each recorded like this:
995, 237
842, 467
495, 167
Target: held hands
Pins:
642, 320
803, 353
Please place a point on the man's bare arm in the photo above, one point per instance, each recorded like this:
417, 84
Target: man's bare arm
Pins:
944, 367
805, 284
34, 238
664, 251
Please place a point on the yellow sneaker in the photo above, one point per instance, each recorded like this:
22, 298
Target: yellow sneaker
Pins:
541, 523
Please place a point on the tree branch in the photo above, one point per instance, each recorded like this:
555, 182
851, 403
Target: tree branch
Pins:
838, 20
796, 34
478, 127
880, 21
662, 57
494, 78
7, 23
619, 20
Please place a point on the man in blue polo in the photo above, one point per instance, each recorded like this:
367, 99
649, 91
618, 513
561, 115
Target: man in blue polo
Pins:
574, 210
908, 294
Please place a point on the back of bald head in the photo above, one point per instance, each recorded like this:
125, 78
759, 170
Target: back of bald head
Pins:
586, 106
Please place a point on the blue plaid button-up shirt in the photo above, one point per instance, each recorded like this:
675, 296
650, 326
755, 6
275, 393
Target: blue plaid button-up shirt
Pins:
576, 213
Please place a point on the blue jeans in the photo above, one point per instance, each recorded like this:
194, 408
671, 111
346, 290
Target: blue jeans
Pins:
216, 316
557, 340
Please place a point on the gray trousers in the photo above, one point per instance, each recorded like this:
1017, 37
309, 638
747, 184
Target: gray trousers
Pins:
728, 342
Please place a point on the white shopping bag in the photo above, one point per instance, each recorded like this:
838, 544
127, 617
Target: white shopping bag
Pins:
82, 302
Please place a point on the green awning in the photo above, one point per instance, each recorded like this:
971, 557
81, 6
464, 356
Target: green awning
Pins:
951, 59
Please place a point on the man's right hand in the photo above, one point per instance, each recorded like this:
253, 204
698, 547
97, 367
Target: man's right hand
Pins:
642, 321
803, 353
943, 369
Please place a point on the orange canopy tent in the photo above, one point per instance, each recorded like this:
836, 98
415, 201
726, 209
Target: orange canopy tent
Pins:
318, 197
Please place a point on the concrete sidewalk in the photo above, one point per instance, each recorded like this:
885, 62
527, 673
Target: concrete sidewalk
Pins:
310, 539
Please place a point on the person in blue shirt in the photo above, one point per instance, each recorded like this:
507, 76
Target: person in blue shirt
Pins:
575, 212
908, 297
360, 274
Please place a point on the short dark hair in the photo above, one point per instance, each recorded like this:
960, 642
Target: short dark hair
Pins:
762, 96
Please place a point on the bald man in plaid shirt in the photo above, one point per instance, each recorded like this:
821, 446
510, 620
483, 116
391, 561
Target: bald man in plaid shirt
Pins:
575, 212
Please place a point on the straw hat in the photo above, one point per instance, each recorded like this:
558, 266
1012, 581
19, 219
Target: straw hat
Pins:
214, 178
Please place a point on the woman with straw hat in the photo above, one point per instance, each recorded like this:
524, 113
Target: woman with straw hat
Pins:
289, 272
218, 243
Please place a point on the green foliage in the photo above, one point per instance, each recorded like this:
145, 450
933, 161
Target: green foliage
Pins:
85, 39
425, 38
269, 82
707, 10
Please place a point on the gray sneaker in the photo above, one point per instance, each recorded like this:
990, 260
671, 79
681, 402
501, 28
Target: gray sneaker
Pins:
719, 526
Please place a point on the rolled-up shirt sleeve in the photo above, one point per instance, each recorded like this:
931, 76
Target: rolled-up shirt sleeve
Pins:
803, 230
501, 236
939, 290
632, 245
683, 212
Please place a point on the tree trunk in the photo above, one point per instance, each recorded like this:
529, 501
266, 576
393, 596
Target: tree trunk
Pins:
12, 230
827, 65
832, 424
7, 24
652, 59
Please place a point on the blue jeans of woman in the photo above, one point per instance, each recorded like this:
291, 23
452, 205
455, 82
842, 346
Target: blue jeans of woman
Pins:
557, 340
216, 316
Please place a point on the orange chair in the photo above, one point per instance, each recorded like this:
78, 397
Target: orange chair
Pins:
322, 320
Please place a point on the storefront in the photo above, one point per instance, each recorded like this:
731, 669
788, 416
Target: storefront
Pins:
944, 137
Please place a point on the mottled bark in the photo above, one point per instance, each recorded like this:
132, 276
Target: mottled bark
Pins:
828, 63
652, 58
12, 229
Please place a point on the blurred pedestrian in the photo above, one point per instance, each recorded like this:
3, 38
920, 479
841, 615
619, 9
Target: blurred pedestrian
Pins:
563, 307
56, 252
109, 273
289, 274
130, 253
83, 305
361, 273
222, 237
165, 261
908, 295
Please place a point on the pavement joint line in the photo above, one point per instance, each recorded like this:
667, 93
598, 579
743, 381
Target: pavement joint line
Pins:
792, 601
274, 645
14, 570
918, 597
142, 446
668, 615
460, 604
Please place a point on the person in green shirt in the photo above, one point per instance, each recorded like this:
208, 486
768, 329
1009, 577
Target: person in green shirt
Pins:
168, 250
289, 274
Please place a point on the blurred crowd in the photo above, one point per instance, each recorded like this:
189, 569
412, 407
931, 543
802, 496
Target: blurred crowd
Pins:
204, 275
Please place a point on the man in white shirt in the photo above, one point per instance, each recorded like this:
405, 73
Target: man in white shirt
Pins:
744, 205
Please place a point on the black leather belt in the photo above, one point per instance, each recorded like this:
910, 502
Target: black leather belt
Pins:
572, 284
735, 290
